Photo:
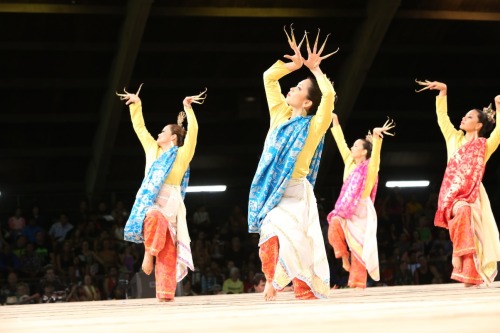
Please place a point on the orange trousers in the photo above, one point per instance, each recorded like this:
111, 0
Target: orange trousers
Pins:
462, 236
159, 243
336, 238
269, 253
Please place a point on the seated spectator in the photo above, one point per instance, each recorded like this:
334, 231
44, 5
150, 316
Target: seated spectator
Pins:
259, 283
108, 255
29, 263
208, 281
60, 229
89, 291
426, 274
119, 211
43, 248
20, 246
402, 275
186, 288
16, 223
23, 294
110, 282
64, 258
201, 218
8, 260
119, 292
8, 289
31, 230
233, 285
129, 258
50, 283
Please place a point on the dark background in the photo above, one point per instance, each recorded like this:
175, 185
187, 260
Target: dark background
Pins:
65, 136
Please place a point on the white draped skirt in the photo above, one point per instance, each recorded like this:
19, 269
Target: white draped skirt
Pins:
302, 253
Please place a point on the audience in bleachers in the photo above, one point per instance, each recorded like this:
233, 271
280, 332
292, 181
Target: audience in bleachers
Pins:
81, 255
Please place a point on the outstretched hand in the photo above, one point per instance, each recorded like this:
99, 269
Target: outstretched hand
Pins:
198, 99
431, 85
130, 98
296, 59
388, 125
314, 57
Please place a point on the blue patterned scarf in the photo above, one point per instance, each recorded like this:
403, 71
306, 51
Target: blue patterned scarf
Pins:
146, 196
275, 168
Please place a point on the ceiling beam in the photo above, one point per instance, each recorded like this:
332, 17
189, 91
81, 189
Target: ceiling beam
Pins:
100, 84
448, 15
261, 12
38, 8
112, 108
256, 12
366, 44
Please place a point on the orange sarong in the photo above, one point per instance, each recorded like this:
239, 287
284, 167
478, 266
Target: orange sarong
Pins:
158, 242
268, 253
462, 236
357, 271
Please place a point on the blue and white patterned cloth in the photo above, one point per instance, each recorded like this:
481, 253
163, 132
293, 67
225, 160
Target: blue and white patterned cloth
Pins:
146, 196
276, 166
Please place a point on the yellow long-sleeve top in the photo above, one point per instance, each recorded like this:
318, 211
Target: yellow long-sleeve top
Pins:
456, 138
153, 150
281, 112
350, 165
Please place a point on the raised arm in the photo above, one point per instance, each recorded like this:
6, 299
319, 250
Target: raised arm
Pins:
444, 122
135, 105
494, 140
378, 134
275, 99
338, 136
321, 121
187, 150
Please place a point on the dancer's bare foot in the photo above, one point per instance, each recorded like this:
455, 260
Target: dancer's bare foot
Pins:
471, 285
269, 291
165, 299
147, 263
457, 263
345, 263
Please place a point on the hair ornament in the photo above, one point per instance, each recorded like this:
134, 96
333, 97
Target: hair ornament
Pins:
490, 113
180, 118
369, 137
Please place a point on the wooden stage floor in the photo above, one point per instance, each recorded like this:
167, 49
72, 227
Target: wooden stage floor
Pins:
406, 309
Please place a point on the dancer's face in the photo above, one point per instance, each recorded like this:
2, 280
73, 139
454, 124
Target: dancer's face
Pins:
357, 149
470, 122
297, 96
166, 136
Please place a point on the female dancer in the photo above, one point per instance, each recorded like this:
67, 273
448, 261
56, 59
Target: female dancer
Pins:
353, 222
282, 206
463, 205
158, 217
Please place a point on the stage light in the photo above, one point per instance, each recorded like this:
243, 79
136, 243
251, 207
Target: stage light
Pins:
407, 183
211, 188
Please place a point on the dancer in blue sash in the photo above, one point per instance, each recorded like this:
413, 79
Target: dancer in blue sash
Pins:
282, 207
158, 217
